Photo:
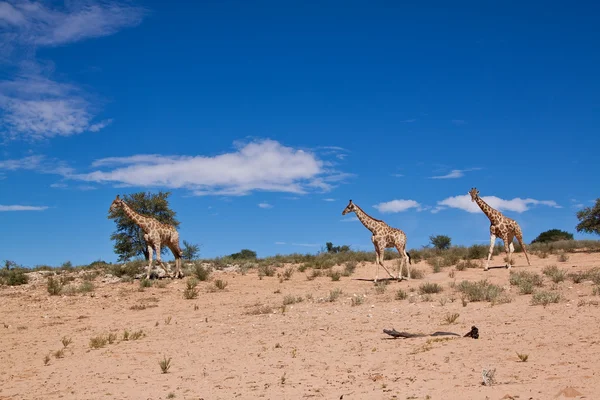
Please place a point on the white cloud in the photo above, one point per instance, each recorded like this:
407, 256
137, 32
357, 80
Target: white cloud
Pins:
32, 105
330, 200
279, 243
350, 219
395, 206
463, 202
398, 175
264, 165
58, 185
38, 163
35, 24
455, 173
265, 205
22, 208
37, 107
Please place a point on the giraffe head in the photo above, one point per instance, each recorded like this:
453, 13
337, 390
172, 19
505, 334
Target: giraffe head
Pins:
349, 208
474, 194
116, 204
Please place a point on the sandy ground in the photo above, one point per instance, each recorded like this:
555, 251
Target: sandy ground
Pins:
221, 349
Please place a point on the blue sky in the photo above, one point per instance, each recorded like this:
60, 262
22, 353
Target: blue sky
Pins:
264, 118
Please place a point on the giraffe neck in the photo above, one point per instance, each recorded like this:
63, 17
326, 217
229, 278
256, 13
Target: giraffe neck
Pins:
141, 220
487, 210
369, 222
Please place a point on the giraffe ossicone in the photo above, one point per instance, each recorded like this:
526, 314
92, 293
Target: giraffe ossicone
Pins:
500, 227
156, 234
384, 237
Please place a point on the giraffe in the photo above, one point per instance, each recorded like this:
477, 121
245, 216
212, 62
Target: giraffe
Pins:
502, 227
384, 237
155, 234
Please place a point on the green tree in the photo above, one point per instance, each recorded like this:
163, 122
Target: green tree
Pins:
244, 254
129, 238
589, 219
440, 242
552, 235
190, 251
336, 249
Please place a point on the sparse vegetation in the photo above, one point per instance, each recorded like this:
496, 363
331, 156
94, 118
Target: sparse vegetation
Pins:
401, 294
335, 275
430, 288
190, 292
220, 284
98, 342
47, 359
201, 272
557, 275
357, 300
334, 295
54, 286
562, 257
190, 251
349, 268
523, 357
545, 297
290, 299
479, 291
525, 281
13, 277
66, 341
451, 318
589, 219
165, 364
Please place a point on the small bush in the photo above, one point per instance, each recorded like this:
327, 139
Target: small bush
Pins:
54, 286
13, 277
201, 272
220, 284
349, 268
557, 275
290, 299
145, 283
526, 281
287, 273
266, 270
464, 264
562, 257
380, 287
357, 300
545, 297
334, 295
440, 242
165, 364
451, 318
477, 251
335, 275
430, 288
401, 295
98, 341
66, 341
190, 292
415, 273
523, 357
480, 290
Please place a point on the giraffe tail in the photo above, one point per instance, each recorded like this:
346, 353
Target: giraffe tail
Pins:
409, 258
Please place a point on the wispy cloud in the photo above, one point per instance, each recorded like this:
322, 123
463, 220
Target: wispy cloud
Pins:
279, 243
32, 104
35, 24
396, 206
330, 200
398, 175
265, 205
58, 185
37, 163
463, 202
350, 219
21, 208
455, 173
261, 165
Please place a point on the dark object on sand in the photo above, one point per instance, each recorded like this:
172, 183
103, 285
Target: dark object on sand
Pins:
473, 333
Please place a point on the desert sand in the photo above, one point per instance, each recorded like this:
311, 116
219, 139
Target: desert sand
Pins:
239, 343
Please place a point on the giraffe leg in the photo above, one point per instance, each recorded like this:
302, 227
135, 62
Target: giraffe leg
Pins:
177, 254
507, 245
492, 242
150, 264
403, 262
520, 240
376, 262
407, 263
381, 258
159, 260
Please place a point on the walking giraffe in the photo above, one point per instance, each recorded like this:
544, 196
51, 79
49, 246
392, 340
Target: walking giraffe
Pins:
384, 236
155, 234
502, 227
